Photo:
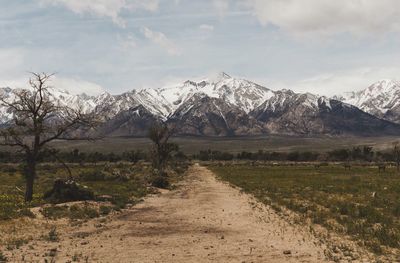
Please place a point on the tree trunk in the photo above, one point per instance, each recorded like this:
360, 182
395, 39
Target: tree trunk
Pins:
30, 175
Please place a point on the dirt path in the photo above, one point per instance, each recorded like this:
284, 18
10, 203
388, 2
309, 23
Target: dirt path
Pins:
205, 220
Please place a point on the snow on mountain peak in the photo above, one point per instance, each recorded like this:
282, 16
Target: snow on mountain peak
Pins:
377, 99
239, 92
387, 82
385, 85
218, 77
163, 102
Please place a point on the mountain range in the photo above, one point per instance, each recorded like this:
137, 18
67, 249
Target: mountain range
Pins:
382, 99
228, 106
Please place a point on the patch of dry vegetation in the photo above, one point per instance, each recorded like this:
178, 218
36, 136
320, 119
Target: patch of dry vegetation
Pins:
362, 202
114, 185
121, 184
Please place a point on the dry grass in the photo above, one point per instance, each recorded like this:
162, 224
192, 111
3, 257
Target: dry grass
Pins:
122, 183
361, 203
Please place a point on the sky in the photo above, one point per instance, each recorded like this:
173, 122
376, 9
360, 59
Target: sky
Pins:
319, 46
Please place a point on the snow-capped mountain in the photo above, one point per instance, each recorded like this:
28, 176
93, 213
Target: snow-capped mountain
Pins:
83, 101
237, 92
382, 99
308, 114
225, 106
165, 101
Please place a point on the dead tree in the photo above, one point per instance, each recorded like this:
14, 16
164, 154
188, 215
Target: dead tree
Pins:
162, 149
38, 118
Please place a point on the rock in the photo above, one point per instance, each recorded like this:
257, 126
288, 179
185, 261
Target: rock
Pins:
68, 191
287, 252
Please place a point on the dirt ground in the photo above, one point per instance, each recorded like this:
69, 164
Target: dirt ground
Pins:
203, 220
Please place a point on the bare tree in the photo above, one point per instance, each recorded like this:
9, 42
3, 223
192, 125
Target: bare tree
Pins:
396, 154
37, 118
162, 149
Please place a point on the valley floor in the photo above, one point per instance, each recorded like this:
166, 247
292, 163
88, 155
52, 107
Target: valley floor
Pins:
203, 220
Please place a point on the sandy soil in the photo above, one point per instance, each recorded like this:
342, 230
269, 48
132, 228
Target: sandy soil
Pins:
204, 220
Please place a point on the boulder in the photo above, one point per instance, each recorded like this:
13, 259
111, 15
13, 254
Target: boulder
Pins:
68, 191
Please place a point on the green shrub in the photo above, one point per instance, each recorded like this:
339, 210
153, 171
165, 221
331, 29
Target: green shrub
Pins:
3, 258
160, 182
68, 191
105, 210
52, 235
94, 175
55, 212
123, 183
9, 169
396, 210
16, 243
26, 212
120, 202
85, 212
73, 212
375, 246
13, 206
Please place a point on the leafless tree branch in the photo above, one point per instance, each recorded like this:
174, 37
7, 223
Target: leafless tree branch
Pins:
37, 119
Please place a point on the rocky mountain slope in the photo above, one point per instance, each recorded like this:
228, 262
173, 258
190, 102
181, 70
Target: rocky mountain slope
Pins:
308, 114
382, 99
227, 106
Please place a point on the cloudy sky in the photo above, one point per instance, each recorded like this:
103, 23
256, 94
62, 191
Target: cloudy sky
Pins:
320, 46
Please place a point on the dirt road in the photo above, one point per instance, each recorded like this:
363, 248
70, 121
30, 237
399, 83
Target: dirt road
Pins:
204, 220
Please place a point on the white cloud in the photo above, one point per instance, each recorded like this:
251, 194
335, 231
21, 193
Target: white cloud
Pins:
149, 5
162, 40
222, 6
128, 42
15, 67
329, 17
11, 61
206, 27
77, 86
337, 83
105, 8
